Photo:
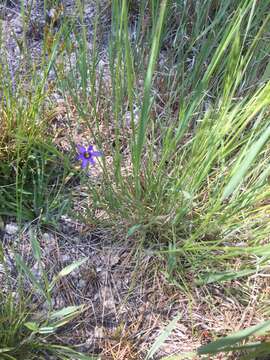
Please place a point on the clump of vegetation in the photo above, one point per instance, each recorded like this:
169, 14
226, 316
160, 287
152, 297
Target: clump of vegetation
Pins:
190, 167
27, 331
30, 181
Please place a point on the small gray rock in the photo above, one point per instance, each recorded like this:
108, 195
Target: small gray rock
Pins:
65, 258
46, 237
11, 229
82, 284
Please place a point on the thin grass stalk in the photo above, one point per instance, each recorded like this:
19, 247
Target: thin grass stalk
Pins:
146, 103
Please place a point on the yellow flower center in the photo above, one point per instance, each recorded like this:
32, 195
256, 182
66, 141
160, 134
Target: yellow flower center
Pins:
87, 155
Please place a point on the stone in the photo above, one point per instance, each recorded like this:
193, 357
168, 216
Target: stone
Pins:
82, 284
65, 258
46, 237
11, 228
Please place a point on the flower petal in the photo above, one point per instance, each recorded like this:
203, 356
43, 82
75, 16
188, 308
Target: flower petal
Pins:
96, 153
92, 161
90, 148
81, 149
80, 157
84, 163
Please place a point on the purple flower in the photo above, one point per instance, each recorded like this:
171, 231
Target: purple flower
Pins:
87, 155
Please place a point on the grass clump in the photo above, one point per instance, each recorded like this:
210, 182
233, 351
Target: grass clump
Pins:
32, 170
190, 166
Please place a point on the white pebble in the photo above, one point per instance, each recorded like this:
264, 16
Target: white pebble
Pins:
11, 228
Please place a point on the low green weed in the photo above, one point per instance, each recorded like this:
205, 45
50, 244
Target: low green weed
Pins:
32, 170
25, 331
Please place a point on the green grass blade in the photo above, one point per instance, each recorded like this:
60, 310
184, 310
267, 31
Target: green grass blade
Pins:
35, 246
228, 341
224, 276
242, 169
24, 268
162, 337
147, 88
66, 271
